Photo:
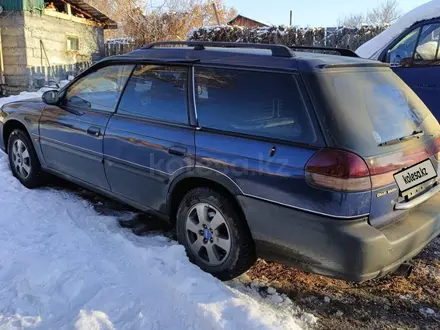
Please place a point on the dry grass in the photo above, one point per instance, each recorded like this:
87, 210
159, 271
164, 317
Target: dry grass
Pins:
388, 303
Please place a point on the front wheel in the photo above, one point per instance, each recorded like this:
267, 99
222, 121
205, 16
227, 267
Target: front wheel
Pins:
23, 159
215, 237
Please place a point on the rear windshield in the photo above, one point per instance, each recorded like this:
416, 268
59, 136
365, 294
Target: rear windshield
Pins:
364, 108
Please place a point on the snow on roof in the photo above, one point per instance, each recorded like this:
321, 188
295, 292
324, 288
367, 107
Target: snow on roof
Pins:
373, 48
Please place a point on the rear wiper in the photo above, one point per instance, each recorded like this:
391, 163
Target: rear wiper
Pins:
413, 135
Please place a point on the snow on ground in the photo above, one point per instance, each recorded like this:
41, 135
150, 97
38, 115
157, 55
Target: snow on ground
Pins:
64, 266
21, 96
373, 48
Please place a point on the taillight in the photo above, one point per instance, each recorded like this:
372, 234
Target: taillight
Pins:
338, 170
345, 171
383, 168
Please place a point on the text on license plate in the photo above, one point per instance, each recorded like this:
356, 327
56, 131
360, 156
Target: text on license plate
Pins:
415, 175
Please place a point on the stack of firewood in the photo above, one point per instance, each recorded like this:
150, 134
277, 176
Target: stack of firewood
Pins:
344, 37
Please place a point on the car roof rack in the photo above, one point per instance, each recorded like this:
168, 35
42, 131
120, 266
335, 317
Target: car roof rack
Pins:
277, 50
341, 51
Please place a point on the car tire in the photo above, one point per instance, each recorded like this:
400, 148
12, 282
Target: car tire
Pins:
215, 237
23, 159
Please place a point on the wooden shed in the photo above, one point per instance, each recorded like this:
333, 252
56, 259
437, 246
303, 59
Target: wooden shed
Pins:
241, 20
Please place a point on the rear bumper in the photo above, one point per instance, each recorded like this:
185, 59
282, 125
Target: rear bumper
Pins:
347, 249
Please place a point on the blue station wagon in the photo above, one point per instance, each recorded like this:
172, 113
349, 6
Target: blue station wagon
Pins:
326, 163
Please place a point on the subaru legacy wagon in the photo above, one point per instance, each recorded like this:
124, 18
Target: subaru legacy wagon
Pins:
326, 163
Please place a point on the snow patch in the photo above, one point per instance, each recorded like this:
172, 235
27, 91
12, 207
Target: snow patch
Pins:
64, 266
268, 296
20, 97
373, 48
17, 321
93, 320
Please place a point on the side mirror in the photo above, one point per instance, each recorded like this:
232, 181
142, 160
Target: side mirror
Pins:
388, 57
51, 97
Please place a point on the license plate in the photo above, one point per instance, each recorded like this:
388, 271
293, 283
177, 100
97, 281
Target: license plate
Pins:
415, 175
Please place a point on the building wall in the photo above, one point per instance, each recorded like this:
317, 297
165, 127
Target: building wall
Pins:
14, 50
46, 46
35, 48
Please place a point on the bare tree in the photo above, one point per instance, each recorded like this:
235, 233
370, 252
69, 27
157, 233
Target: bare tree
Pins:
171, 20
352, 20
385, 13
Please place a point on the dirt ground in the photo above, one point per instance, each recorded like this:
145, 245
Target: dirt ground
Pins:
393, 302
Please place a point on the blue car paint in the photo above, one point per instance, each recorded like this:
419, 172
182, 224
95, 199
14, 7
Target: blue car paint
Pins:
279, 179
69, 149
139, 161
425, 82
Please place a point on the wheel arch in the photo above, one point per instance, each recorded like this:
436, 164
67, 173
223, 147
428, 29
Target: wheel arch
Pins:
206, 178
9, 127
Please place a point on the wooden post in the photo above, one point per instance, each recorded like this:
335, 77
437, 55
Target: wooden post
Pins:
216, 13
2, 65
69, 9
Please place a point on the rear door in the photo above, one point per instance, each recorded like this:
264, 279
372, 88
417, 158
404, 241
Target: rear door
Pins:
416, 60
257, 129
149, 141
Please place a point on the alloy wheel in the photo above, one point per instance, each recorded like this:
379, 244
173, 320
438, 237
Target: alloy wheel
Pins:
21, 159
208, 234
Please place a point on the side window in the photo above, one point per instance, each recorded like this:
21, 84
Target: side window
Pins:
255, 103
402, 53
427, 47
157, 92
99, 90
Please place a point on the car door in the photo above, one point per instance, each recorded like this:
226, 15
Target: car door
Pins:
71, 133
149, 141
416, 60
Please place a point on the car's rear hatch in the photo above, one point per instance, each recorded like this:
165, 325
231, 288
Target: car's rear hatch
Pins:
371, 112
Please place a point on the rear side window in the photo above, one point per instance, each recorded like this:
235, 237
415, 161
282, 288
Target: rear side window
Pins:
254, 103
157, 92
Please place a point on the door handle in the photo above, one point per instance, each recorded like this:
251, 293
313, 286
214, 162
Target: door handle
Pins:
93, 130
177, 151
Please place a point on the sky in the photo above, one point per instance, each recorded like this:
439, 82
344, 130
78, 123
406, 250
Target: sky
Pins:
315, 13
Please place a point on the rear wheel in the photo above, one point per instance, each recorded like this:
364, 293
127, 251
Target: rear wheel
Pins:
23, 159
215, 237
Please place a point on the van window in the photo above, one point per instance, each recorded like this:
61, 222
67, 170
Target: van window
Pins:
428, 44
255, 103
402, 53
157, 92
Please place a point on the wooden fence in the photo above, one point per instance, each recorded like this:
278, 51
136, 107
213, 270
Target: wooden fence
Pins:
119, 46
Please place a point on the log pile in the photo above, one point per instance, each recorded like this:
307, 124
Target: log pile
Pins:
350, 38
